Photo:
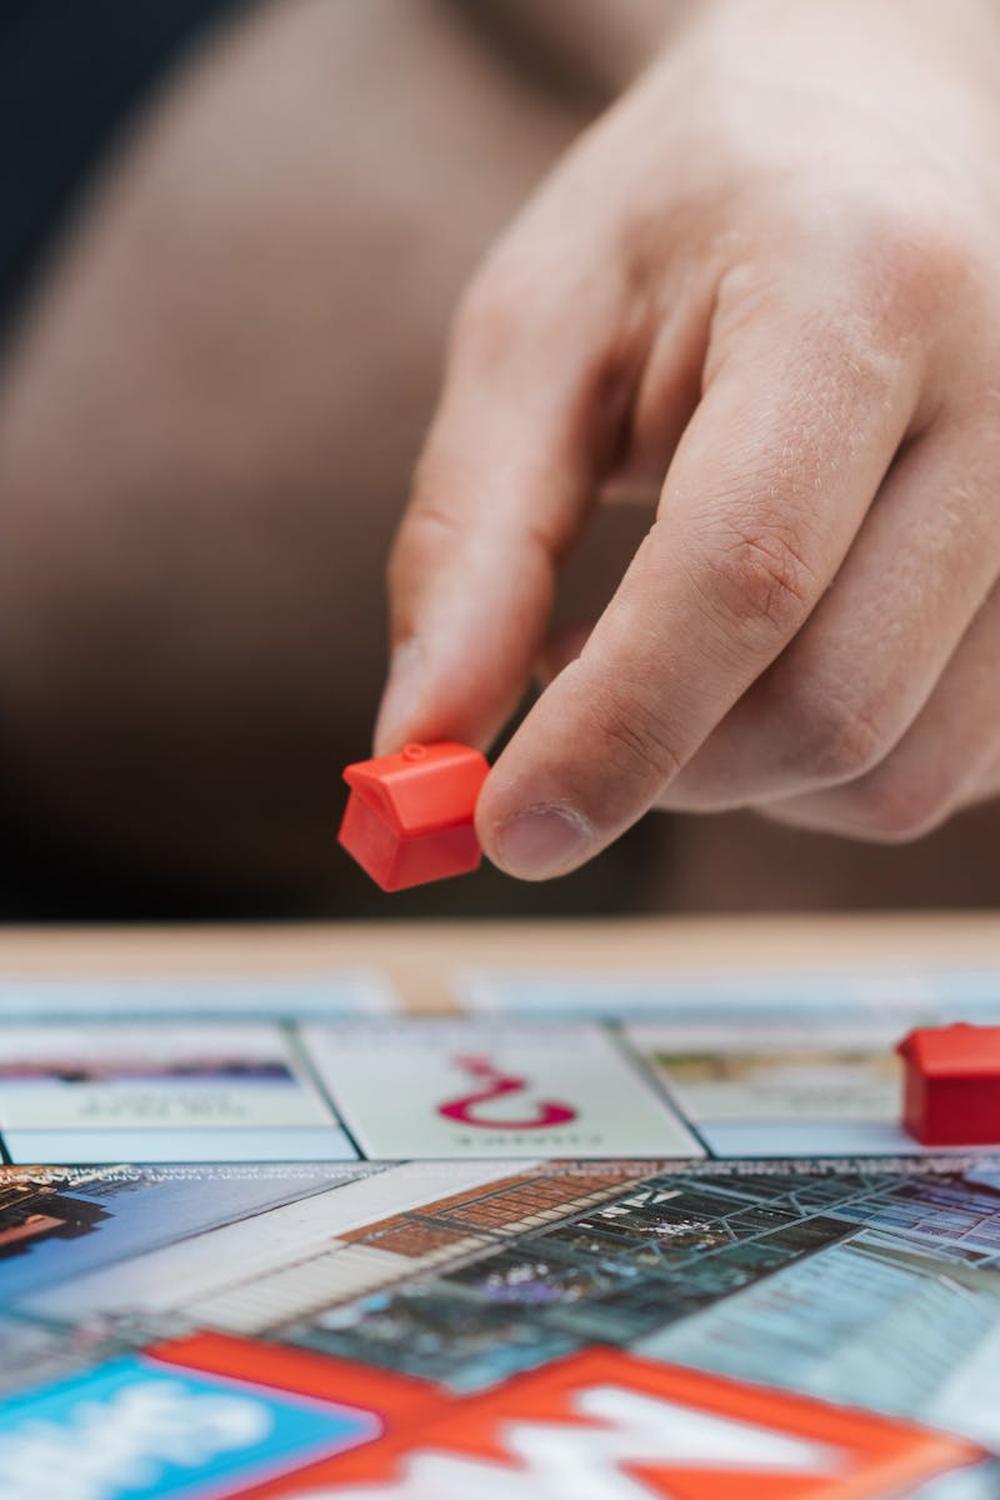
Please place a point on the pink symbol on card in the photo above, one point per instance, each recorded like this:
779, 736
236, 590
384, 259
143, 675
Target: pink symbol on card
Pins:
495, 1084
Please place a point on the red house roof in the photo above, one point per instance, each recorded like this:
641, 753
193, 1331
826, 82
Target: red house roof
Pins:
958, 1051
422, 788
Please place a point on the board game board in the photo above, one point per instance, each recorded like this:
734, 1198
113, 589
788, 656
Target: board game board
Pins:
579, 1239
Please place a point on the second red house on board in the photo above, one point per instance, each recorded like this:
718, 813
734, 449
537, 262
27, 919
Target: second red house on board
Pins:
951, 1091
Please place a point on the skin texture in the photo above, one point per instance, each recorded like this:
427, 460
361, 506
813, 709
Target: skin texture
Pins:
761, 290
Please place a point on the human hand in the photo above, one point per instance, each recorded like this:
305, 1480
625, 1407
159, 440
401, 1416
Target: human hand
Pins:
769, 273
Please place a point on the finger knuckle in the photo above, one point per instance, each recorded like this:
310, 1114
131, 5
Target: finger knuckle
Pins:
916, 257
897, 806
920, 240
635, 739
428, 531
831, 737
503, 296
761, 577
485, 320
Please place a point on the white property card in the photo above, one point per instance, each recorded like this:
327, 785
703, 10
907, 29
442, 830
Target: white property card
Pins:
451, 1089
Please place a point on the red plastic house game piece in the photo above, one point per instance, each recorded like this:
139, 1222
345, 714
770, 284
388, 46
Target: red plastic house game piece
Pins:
952, 1089
409, 815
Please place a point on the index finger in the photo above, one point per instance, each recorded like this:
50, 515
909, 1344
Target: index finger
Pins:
508, 474
762, 501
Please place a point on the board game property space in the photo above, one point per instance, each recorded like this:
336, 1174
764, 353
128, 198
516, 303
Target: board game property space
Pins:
577, 1239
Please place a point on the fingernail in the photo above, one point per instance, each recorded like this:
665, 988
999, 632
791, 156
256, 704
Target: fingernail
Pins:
542, 841
402, 695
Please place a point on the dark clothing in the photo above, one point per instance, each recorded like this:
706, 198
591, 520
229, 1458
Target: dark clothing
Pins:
73, 73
